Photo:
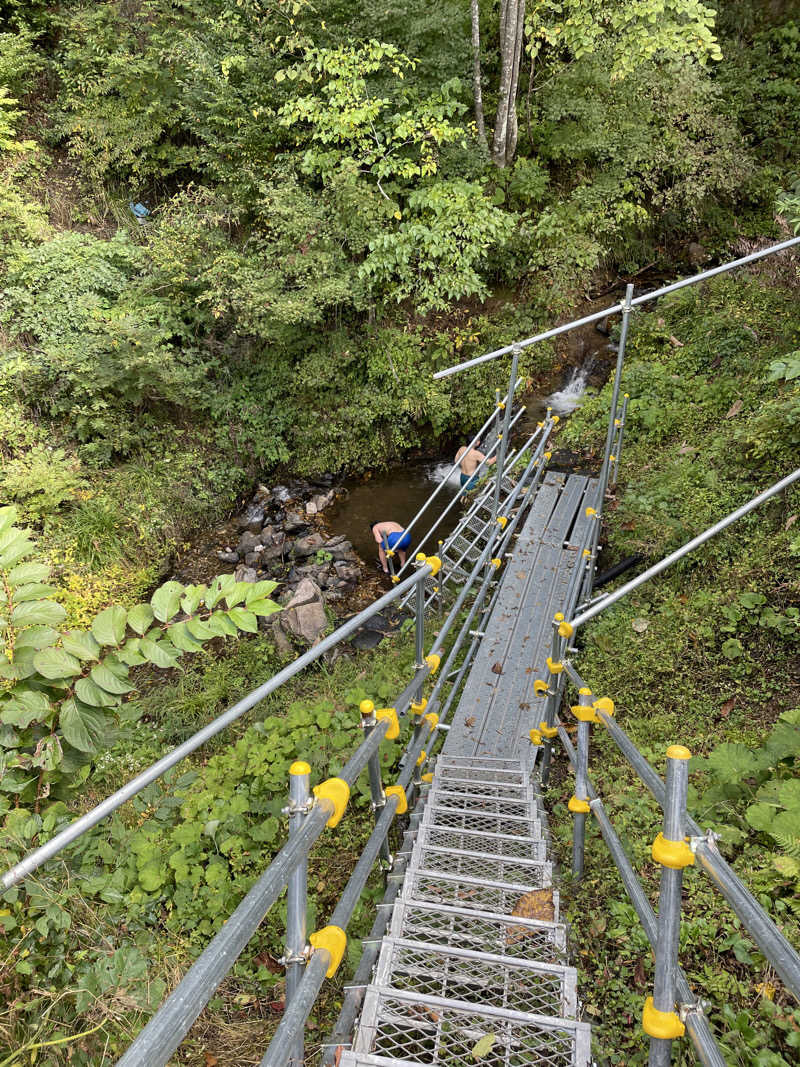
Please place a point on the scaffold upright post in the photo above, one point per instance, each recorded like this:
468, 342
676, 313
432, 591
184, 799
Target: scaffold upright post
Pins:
377, 795
618, 443
670, 848
501, 453
297, 898
579, 803
419, 629
612, 415
555, 668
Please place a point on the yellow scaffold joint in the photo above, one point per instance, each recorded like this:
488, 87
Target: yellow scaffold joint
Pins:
338, 792
587, 553
421, 557
673, 854
547, 731
502, 521
435, 564
299, 767
605, 704
389, 714
496, 562
499, 437
584, 713
540, 688
501, 405
536, 737
395, 579
433, 662
613, 459
617, 422
422, 757
390, 553
556, 418
427, 777
418, 706
663, 1024
433, 719
578, 807
366, 707
334, 939
565, 629
553, 666
590, 513
402, 800
548, 455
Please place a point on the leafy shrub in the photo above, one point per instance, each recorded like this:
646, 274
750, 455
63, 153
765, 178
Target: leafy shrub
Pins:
41, 480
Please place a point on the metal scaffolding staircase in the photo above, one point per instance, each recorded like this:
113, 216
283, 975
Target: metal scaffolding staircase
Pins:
473, 968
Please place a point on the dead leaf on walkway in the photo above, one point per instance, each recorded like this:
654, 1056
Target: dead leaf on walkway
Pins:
497, 668
538, 904
470, 721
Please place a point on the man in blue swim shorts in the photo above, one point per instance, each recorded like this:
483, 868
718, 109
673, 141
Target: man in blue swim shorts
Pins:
470, 459
393, 535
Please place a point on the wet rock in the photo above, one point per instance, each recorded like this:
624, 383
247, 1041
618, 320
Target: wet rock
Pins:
696, 254
228, 556
271, 552
271, 625
294, 522
307, 546
324, 480
304, 615
347, 572
343, 553
245, 574
334, 542
253, 559
249, 542
366, 639
321, 501
281, 494
311, 508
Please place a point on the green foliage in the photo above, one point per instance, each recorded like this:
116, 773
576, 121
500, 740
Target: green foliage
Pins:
434, 255
41, 480
61, 687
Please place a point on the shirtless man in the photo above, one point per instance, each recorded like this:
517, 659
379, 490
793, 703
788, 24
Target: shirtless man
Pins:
395, 536
470, 459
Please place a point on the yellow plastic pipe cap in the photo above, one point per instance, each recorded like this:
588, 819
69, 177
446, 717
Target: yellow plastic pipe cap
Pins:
334, 940
299, 767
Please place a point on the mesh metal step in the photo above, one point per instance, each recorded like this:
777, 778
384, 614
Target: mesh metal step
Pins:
402, 1026
477, 977
451, 784
437, 814
481, 931
490, 845
533, 873
479, 894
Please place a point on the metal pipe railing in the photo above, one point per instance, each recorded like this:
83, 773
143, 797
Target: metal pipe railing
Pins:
780, 953
72, 832
617, 308
695, 1019
684, 550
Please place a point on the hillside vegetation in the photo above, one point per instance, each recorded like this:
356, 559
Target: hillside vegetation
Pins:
237, 238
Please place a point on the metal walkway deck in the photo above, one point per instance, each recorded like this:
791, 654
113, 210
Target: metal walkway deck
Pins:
473, 969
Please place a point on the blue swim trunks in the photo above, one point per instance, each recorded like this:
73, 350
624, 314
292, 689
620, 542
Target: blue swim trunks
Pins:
469, 481
399, 541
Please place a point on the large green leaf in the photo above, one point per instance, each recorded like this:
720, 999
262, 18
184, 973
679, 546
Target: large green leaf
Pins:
29, 572
14, 545
238, 594
182, 639
244, 619
263, 607
193, 596
32, 591
221, 625
37, 637
200, 629
8, 516
91, 693
83, 727
157, 652
56, 663
140, 617
166, 601
109, 626
130, 655
259, 590
221, 585
38, 613
760, 816
108, 681
25, 708
81, 643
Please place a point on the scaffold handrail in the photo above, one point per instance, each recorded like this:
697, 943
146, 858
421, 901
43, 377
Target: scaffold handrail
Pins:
614, 309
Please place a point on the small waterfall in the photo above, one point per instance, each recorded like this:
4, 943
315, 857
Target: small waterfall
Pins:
566, 399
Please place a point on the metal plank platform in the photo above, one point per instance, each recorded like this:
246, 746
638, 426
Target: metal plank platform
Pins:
474, 965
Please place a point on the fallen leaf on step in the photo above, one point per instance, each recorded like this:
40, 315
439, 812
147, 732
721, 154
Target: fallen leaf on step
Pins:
470, 721
735, 408
538, 904
640, 625
497, 668
483, 1047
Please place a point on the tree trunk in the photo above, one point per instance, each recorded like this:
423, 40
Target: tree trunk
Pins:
512, 25
476, 74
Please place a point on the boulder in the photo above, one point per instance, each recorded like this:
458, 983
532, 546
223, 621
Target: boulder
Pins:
252, 519
253, 559
366, 639
347, 572
311, 508
294, 522
271, 625
228, 556
304, 615
281, 494
271, 552
249, 542
343, 552
322, 500
245, 574
307, 546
